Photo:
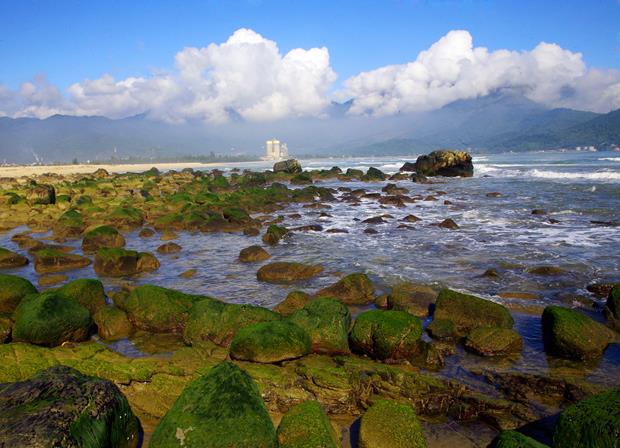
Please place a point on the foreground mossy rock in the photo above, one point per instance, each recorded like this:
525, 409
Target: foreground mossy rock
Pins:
287, 272
514, 439
49, 319
274, 234
442, 330
570, 334
468, 312
116, 262
12, 290
593, 422
112, 323
327, 321
102, 236
295, 300
10, 259
411, 297
386, 334
306, 426
445, 163
390, 424
159, 310
493, 341
253, 253
223, 409
41, 195
269, 342
612, 308
88, 292
60, 407
217, 322
53, 260
353, 289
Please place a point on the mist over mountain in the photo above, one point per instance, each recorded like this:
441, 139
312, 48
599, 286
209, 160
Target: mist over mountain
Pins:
502, 121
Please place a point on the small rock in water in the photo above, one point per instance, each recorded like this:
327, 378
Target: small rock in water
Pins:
52, 279
146, 233
371, 231
539, 211
253, 253
169, 248
190, 273
494, 194
448, 224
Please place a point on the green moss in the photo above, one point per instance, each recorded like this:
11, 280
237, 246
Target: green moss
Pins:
442, 329
88, 292
220, 410
117, 262
306, 426
126, 217
269, 342
388, 424
593, 422
12, 290
274, 234
53, 260
514, 439
295, 300
386, 334
353, 289
492, 341
112, 323
102, 236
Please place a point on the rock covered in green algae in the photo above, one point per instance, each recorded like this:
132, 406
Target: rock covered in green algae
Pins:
112, 323
70, 224
215, 321
88, 292
414, 298
125, 217
388, 424
374, 174
386, 334
442, 330
468, 312
514, 439
41, 195
306, 426
10, 259
327, 321
570, 334
222, 409
353, 289
287, 272
53, 260
593, 422
12, 290
62, 407
102, 236
493, 341
6, 325
269, 342
274, 234
116, 262
295, 300
49, 319
253, 253
612, 308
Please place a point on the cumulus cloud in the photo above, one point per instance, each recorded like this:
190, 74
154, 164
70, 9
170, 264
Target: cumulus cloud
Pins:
453, 69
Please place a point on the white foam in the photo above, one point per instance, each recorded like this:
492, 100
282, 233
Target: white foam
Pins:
601, 175
610, 159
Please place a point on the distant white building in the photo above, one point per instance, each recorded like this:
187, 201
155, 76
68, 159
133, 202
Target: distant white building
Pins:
275, 150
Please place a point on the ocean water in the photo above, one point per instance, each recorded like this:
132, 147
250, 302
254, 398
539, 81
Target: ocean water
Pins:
501, 233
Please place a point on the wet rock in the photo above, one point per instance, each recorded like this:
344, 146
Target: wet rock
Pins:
396, 201
253, 253
612, 308
374, 220
51, 279
102, 236
169, 248
69, 225
354, 173
394, 189
539, 211
308, 228
10, 259
514, 439
442, 330
274, 234
492, 341
41, 195
51, 260
419, 178
146, 233
569, 334
62, 407
373, 174
168, 235
295, 300
287, 272
448, 224
270, 342
546, 270
190, 273
251, 231
411, 218
49, 319
353, 289
414, 298
101, 173
386, 335
112, 323
491, 273
371, 231
12, 290
337, 231
601, 289
408, 167
306, 426
391, 424
125, 218
494, 194
445, 163
290, 166
88, 292
6, 326
121, 262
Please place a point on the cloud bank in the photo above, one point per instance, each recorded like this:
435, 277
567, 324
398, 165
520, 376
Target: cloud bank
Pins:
246, 76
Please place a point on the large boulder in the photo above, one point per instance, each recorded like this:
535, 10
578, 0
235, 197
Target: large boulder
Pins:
88, 292
445, 163
223, 409
386, 335
612, 307
49, 319
41, 195
253, 253
306, 426
291, 166
295, 300
12, 290
414, 298
593, 423
390, 424
269, 342
327, 321
514, 439
353, 289
116, 262
287, 272
53, 260
493, 341
10, 259
468, 312
102, 236
570, 334
112, 323
60, 407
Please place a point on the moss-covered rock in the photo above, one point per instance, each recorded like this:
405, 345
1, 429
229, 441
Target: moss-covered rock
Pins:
70, 224
353, 289
53, 260
88, 292
10, 259
126, 217
469, 312
571, 334
253, 253
50, 319
269, 342
112, 323
116, 262
414, 298
306, 426
274, 234
514, 439
41, 195
327, 321
102, 236
386, 335
295, 300
169, 248
442, 329
493, 341
593, 422
220, 410
6, 325
287, 272
388, 424
12, 290
612, 307
62, 407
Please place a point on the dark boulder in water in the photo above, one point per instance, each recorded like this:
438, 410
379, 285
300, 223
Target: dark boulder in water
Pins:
287, 272
291, 166
445, 163
253, 253
353, 289
10, 259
